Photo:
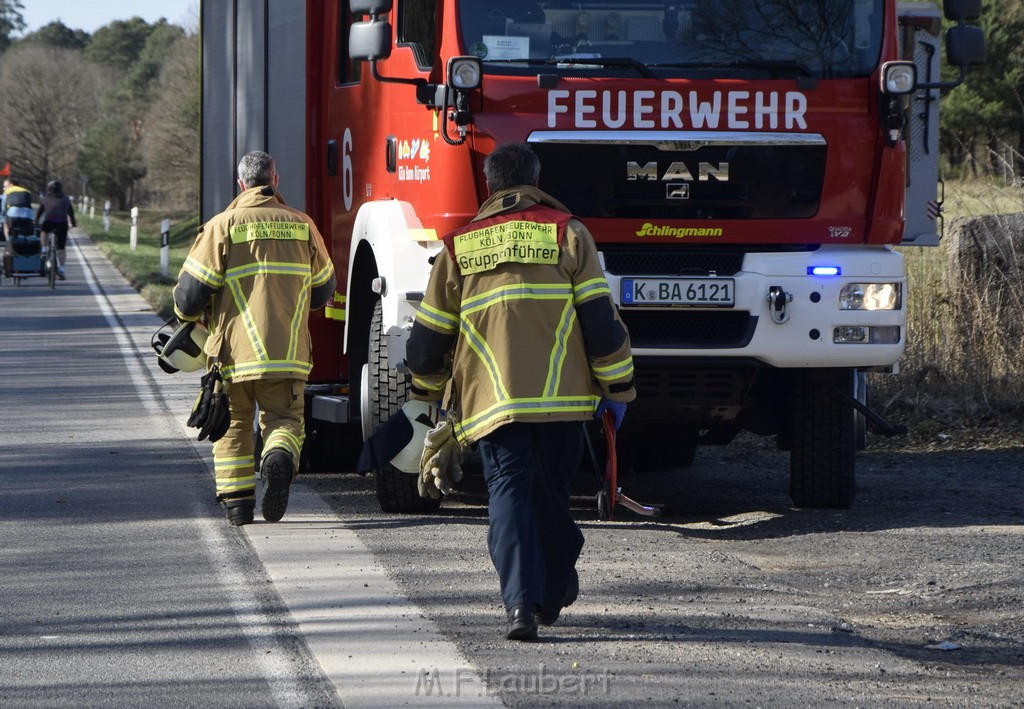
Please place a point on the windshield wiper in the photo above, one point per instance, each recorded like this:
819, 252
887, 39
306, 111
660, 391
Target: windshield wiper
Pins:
625, 62
773, 65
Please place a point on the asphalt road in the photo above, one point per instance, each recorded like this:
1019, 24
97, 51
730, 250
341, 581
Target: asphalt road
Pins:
124, 586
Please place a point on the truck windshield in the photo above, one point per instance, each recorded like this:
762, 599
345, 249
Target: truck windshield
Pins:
688, 38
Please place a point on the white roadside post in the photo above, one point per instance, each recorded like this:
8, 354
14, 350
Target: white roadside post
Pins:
165, 248
106, 216
134, 233
92, 207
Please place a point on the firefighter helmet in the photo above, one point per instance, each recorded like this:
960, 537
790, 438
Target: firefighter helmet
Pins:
422, 417
182, 350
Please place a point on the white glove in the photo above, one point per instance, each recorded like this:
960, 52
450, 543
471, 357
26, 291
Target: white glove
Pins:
441, 462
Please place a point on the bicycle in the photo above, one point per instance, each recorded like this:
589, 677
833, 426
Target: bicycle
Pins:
51, 265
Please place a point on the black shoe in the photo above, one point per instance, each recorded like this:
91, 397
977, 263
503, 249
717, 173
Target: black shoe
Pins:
548, 616
240, 511
277, 473
522, 622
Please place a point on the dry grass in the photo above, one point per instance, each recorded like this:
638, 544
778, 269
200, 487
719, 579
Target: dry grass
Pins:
961, 379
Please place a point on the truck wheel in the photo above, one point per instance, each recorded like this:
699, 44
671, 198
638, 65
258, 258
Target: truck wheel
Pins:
385, 393
821, 467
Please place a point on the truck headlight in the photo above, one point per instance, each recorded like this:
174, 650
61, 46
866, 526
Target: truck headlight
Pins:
464, 73
898, 78
870, 296
861, 335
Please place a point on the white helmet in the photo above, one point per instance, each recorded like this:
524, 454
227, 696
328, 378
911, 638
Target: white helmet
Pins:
182, 350
422, 417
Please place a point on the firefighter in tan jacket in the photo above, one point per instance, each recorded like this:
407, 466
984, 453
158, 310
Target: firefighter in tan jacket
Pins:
255, 271
519, 317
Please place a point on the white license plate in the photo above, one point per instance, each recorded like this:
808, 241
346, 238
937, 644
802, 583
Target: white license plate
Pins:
638, 292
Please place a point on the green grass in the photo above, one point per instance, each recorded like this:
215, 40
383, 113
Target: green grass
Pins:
141, 266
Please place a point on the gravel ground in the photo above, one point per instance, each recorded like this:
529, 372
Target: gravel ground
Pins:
734, 598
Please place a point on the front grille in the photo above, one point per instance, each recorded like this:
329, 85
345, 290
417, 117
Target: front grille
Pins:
689, 329
674, 262
765, 181
685, 394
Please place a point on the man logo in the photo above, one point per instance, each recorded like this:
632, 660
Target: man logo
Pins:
706, 172
677, 191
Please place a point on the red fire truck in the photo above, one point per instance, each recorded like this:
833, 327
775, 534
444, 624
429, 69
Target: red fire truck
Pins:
745, 166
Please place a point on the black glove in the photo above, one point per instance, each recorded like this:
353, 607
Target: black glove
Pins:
211, 412
201, 406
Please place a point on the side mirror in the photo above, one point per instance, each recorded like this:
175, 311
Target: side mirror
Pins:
369, 41
961, 10
965, 46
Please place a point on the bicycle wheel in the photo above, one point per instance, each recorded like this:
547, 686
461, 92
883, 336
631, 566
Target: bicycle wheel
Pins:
51, 264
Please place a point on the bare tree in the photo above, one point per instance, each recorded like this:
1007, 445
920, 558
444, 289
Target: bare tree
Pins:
51, 96
171, 137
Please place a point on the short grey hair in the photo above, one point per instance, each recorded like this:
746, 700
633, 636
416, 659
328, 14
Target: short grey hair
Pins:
511, 165
256, 168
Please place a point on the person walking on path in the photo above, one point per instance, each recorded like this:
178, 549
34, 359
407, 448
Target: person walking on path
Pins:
254, 272
519, 322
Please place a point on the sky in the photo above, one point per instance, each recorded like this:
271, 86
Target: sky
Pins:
90, 16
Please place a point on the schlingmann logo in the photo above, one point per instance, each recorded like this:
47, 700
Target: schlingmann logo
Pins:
649, 229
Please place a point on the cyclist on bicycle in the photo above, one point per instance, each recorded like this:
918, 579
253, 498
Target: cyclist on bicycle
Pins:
53, 215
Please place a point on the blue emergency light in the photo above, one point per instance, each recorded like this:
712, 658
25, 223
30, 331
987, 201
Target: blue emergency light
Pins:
824, 270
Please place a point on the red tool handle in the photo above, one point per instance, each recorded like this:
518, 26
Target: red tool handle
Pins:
611, 470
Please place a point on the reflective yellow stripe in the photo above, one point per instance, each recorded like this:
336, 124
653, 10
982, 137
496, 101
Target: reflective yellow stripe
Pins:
323, 275
233, 278
479, 345
588, 289
201, 273
233, 463
535, 405
428, 314
267, 367
558, 352
283, 438
238, 295
258, 231
519, 291
235, 484
622, 369
298, 317
423, 234
277, 268
336, 311
423, 384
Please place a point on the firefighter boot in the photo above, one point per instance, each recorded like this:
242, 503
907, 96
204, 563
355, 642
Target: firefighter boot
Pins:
240, 511
522, 622
277, 472
548, 615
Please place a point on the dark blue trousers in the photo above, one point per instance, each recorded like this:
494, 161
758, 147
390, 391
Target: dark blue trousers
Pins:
533, 540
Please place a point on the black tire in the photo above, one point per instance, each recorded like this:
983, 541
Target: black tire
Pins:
822, 459
387, 391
